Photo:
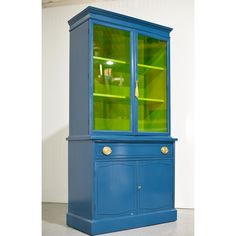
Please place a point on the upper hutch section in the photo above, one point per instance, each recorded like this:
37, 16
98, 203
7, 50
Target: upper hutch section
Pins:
119, 75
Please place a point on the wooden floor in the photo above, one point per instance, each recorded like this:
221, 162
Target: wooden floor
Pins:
54, 224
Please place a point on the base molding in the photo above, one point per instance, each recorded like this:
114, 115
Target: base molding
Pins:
106, 225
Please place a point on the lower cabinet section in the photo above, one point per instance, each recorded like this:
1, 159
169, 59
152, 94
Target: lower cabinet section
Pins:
133, 187
129, 187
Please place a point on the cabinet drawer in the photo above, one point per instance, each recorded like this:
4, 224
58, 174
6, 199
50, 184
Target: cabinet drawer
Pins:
123, 150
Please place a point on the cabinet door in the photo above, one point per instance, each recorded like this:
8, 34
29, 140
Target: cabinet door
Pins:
156, 185
152, 84
115, 188
111, 79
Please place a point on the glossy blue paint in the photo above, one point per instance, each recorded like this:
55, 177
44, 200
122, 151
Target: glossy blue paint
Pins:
123, 149
135, 79
127, 138
90, 74
107, 16
173, 176
168, 87
156, 195
115, 188
80, 178
134, 185
79, 99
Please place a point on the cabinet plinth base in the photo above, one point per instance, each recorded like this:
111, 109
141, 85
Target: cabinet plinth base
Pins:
99, 226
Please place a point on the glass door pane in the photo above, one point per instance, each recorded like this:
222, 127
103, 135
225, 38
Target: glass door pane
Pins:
111, 70
151, 88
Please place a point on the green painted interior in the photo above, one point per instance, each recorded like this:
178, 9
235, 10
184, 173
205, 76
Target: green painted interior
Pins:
152, 84
111, 69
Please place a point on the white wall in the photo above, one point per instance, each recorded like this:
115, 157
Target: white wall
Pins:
174, 13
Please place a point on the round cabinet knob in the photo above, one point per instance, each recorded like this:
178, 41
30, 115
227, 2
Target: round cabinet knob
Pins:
106, 150
164, 150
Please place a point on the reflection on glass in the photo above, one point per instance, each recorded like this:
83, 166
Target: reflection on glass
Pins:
111, 70
152, 87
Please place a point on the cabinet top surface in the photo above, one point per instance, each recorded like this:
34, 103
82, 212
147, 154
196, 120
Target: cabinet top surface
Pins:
97, 11
121, 138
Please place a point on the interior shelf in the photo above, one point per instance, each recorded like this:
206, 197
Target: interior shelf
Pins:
151, 100
109, 59
124, 62
109, 95
125, 97
151, 67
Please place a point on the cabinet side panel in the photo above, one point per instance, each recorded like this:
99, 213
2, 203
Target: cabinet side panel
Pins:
80, 178
79, 87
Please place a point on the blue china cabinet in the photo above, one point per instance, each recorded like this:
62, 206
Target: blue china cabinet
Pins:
121, 154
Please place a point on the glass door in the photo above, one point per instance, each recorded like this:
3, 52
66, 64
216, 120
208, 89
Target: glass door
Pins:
151, 84
111, 72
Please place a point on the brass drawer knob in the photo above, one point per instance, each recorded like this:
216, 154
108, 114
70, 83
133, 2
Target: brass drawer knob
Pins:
164, 150
106, 150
